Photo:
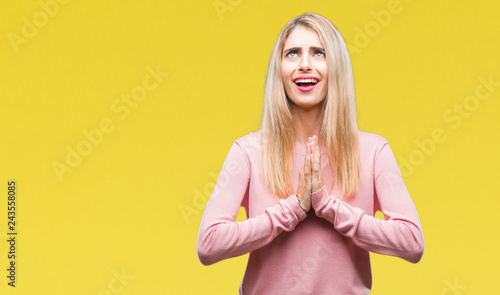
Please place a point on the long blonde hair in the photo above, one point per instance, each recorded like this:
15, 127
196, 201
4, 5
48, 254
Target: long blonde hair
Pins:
338, 130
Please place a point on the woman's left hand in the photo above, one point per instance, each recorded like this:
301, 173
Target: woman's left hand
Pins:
316, 170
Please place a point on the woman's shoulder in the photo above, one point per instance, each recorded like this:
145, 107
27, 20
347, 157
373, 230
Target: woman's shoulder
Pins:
250, 140
371, 141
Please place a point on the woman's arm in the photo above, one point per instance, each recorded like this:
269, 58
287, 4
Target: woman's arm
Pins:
219, 236
399, 235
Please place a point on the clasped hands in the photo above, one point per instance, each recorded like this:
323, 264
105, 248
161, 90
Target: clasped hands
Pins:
311, 176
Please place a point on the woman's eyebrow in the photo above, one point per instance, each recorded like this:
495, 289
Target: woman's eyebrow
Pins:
318, 48
293, 49
314, 48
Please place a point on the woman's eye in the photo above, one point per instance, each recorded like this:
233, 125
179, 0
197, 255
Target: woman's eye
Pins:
319, 53
291, 54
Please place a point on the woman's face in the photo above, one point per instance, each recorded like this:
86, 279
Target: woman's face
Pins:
304, 69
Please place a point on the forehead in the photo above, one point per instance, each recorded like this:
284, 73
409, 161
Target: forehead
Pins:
302, 36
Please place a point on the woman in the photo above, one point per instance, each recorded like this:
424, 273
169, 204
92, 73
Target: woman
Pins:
308, 232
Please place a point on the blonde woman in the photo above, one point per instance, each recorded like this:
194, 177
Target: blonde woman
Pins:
309, 180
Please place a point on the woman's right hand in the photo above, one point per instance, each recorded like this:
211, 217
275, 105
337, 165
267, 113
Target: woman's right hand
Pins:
304, 188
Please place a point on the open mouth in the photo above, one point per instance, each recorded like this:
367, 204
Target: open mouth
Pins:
306, 84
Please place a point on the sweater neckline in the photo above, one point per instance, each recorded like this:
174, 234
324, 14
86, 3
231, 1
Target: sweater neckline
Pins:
298, 150
301, 151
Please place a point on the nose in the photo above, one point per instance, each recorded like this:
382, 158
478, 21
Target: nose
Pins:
305, 64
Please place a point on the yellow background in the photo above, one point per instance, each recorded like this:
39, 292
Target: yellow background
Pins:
120, 209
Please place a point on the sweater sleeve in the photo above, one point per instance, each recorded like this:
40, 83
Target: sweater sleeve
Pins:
399, 235
219, 236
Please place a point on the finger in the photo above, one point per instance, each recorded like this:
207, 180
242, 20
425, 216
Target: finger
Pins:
311, 147
318, 153
307, 165
307, 172
317, 174
305, 156
313, 139
315, 161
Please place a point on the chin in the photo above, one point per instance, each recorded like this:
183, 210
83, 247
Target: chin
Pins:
307, 105
305, 102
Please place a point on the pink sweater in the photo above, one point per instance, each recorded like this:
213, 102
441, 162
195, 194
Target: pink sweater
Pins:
323, 252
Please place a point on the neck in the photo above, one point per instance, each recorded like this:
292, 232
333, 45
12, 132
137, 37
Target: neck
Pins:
307, 124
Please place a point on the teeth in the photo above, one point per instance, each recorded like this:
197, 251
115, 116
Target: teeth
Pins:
306, 81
